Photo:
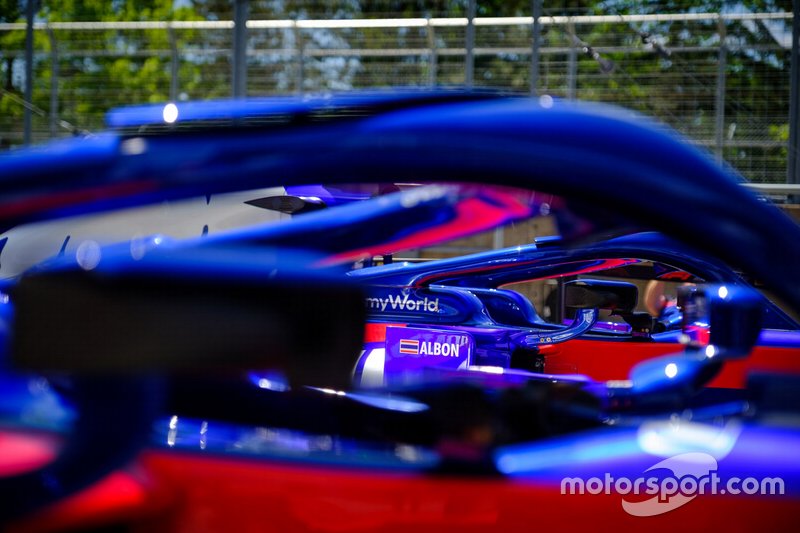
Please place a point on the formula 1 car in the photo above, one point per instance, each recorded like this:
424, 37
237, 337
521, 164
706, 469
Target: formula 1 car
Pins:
206, 383
502, 327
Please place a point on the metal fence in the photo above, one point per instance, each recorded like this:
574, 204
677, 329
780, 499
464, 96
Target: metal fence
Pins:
721, 79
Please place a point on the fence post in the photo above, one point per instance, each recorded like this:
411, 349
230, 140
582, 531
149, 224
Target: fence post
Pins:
240, 15
719, 103
53, 82
301, 66
433, 58
793, 167
572, 61
469, 59
499, 238
535, 45
29, 13
173, 47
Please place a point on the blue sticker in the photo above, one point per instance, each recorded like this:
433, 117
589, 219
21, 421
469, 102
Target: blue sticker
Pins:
415, 348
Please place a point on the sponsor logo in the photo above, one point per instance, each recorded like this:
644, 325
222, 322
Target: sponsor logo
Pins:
403, 303
415, 347
410, 349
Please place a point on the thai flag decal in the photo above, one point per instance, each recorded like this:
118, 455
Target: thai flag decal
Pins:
409, 346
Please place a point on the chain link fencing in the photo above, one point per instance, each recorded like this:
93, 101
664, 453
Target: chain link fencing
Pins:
723, 80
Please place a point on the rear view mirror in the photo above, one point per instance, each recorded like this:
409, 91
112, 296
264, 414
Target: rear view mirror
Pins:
616, 296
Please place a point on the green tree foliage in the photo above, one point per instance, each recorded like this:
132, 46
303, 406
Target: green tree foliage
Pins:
665, 69
12, 46
122, 66
97, 69
755, 66
10, 11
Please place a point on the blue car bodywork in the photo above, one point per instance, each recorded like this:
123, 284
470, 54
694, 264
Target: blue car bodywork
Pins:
580, 153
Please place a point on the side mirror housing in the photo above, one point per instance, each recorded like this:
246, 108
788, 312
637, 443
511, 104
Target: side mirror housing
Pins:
732, 315
195, 309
